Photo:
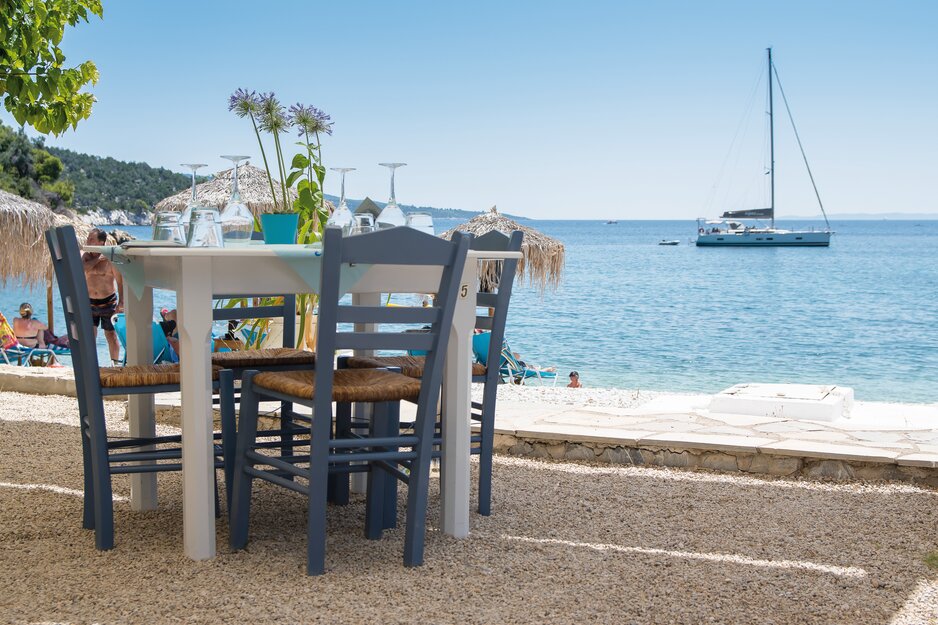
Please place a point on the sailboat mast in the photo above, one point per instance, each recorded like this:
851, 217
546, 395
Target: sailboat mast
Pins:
771, 140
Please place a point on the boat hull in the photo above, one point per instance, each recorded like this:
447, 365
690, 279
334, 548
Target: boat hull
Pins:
765, 239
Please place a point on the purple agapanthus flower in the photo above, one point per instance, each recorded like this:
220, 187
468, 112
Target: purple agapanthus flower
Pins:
244, 103
310, 120
272, 117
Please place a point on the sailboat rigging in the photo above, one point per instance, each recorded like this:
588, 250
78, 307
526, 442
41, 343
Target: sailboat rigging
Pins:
731, 230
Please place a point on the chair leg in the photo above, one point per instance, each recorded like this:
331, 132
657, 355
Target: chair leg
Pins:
103, 501
485, 453
286, 427
318, 485
88, 499
339, 482
418, 485
393, 428
377, 477
228, 430
239, 513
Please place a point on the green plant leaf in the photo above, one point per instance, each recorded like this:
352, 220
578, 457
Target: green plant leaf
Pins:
300, 162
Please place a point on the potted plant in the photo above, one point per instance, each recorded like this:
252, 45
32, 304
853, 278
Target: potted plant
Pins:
299, 195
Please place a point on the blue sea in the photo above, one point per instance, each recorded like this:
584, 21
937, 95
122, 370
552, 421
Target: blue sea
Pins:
632, 314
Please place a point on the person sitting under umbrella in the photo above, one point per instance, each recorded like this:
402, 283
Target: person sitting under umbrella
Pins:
29, 332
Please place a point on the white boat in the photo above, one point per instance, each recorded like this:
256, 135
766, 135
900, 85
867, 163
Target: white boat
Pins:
669, 242
733, 228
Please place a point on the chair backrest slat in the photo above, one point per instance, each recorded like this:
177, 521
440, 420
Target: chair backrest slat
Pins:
385, 340
387, 314
285, 311
487, 300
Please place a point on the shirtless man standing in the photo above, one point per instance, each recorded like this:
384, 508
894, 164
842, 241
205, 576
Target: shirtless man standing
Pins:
105, 301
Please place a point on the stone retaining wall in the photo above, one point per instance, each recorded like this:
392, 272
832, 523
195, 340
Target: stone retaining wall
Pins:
727, 461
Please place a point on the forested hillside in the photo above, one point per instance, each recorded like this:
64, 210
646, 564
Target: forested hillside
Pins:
109, 184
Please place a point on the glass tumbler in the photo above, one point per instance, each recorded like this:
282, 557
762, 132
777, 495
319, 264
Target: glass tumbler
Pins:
168, 228
205, 228
363, 223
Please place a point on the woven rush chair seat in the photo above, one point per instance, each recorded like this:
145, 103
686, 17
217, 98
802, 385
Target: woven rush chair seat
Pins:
143, 375
271, 356
349, 385
411, 366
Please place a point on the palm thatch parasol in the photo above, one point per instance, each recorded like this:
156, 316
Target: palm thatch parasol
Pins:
253, 186
24, 255
542, 259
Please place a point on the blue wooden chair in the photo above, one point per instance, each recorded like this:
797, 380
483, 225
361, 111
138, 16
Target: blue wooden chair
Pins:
104, 455
494, 294
384, 451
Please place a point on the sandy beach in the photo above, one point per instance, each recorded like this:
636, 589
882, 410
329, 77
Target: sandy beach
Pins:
568, 542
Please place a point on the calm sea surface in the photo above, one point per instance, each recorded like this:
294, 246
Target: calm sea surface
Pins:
633, 314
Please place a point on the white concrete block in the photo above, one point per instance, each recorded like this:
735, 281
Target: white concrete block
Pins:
785, 401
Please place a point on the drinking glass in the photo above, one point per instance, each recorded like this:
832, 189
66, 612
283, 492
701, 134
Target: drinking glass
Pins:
342, 216
237, 220
166, 227
422, 222
205, 228
193, 201
392, 215
363, 224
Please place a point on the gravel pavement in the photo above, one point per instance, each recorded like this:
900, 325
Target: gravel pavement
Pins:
567, 543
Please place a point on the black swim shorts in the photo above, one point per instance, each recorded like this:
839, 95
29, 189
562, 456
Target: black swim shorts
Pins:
102, 310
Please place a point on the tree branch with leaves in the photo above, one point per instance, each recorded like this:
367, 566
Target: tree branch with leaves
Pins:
35, 85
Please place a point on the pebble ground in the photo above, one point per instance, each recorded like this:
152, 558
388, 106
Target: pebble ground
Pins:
567, 543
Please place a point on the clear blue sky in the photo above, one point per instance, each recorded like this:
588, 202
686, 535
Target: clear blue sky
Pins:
547, 109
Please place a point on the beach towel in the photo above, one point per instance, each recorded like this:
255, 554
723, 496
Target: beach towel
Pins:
7, 335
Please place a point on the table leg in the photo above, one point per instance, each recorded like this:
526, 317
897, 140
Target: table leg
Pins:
194, 303
139, 316
457, 379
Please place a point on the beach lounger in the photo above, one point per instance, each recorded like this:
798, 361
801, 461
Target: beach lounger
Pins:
520, 372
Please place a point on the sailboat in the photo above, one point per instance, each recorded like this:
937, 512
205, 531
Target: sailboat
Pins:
732, 229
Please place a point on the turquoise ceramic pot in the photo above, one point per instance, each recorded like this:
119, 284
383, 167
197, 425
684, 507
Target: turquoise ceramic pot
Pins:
280, 227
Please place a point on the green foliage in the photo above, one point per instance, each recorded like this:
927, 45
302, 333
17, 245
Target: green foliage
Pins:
931, 559
48, 168
36, 87
55, 176
110, 184
62, 192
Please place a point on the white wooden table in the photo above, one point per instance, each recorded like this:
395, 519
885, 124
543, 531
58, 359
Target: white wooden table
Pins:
195, 274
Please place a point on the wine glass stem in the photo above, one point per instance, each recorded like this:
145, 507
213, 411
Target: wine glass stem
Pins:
193, 185
392, 200
234, 184
342, 194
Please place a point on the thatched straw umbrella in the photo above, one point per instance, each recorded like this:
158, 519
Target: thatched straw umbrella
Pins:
24, 255
252, 185
543, 257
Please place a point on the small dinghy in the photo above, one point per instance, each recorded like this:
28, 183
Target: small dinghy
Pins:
668, 242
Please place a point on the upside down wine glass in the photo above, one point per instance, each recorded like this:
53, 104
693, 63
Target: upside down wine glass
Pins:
237, 220
392, 215
193, 201
342, 216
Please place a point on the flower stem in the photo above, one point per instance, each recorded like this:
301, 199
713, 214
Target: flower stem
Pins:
283, 179
270, 180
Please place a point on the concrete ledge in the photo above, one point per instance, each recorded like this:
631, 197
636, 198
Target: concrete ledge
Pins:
719, 456
38, 380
